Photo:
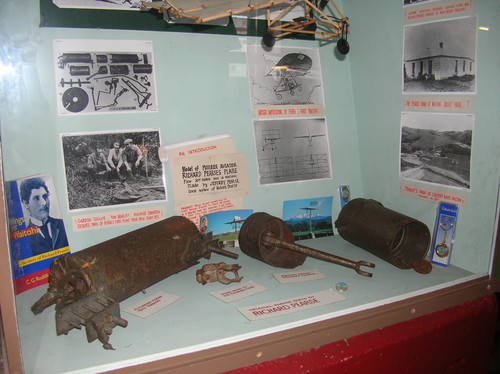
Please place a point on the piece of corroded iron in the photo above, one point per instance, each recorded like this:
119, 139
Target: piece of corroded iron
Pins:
87, 286
270, 240
392, 236
217, 273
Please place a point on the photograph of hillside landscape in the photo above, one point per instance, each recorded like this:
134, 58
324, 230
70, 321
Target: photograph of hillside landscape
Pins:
309, 218
436, 148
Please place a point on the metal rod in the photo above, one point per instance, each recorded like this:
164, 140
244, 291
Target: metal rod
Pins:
212, 247
271, 240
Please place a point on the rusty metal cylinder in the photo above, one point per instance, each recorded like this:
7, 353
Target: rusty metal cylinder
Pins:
87, 286
252, 241
122, 266
392, 236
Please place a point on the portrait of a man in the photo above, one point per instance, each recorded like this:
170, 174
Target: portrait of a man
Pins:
35, 197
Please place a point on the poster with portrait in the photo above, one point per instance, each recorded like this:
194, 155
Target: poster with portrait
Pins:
37, 232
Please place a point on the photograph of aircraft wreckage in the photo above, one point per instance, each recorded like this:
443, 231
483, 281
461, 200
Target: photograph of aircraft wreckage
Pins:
314, 21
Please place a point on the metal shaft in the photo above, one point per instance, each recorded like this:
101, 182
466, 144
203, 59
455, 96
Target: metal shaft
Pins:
221, 251
271, 240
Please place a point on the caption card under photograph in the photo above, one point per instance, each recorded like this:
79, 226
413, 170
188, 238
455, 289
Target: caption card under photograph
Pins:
228, 295
294, 305
153, 304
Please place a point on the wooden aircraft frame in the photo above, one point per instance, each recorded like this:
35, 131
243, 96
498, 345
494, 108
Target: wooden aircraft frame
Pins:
307, 24
314, 16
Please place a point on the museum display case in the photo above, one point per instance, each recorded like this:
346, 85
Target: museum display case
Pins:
69, 90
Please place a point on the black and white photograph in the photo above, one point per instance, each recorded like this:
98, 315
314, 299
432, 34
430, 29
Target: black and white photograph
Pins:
414, 2
99, 4
104, 76
112, 168
436, 148
440, 57
284, 76
292, 150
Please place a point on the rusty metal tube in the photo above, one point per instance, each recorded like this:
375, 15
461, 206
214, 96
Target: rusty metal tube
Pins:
389, 235
87, 286
129, 263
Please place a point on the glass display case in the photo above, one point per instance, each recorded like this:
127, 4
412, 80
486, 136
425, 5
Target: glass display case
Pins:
189, 86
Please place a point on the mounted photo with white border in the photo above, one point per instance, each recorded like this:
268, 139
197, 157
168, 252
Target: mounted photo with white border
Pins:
104, 76
436, 148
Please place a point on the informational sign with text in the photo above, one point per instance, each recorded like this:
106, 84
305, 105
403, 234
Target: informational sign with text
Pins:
209, 177
299, 276
430, 194
294, 305
241, 291
118, 218
152, 304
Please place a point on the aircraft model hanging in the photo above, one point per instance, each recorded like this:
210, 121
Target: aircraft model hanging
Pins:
314, 21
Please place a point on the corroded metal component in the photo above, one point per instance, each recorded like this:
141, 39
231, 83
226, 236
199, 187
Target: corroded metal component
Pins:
392, 236
270, 240
217, 273
87, 286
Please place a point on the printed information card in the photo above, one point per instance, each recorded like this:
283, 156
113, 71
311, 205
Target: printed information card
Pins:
153, 304
228, 295
297, 304
298, 276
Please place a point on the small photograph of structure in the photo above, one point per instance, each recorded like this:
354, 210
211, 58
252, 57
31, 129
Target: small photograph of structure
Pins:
440, 57
436, 148
225, 226
309, 218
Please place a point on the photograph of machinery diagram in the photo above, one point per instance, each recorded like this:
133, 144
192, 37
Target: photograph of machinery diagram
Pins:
291, 150
98, 4
284, 76
104, 76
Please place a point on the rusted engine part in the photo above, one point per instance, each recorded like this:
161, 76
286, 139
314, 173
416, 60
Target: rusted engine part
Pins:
217, 273
392, 236
269, 239
87, 286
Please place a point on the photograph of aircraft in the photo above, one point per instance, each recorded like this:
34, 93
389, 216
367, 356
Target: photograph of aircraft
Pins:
315, 20
309, 137
289, 67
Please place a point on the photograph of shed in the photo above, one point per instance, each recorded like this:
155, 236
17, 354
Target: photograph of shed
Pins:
440, 56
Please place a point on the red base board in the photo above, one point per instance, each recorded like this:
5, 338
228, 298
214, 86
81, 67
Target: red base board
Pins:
452, 341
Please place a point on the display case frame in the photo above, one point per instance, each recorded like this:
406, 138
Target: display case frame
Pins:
298, 338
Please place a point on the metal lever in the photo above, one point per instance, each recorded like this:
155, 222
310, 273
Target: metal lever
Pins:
271, 240
214, 245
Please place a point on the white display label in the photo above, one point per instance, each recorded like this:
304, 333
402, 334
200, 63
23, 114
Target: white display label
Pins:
152, 304
299, 276
297, 304
228, 295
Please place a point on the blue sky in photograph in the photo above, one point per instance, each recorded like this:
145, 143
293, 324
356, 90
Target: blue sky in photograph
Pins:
217, 222
294, 208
